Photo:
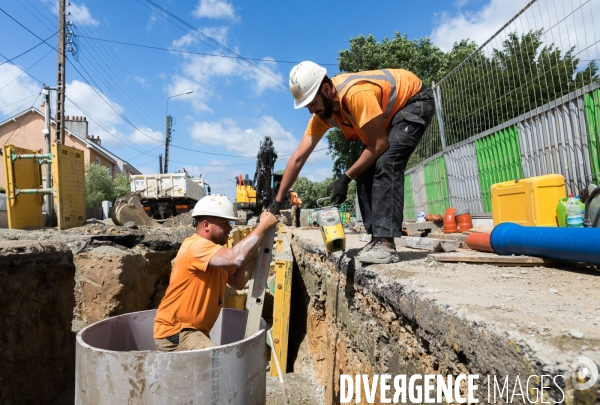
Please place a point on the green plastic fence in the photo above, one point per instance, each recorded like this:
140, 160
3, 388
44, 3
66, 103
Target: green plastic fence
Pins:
436, 186
498, 160
592, 120
409, 203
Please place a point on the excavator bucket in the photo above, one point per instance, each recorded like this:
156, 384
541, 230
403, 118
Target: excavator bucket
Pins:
129, 208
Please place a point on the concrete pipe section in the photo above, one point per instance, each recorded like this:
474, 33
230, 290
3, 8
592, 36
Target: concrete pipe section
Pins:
117, 363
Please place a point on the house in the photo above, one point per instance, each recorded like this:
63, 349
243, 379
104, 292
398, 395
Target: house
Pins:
25, 131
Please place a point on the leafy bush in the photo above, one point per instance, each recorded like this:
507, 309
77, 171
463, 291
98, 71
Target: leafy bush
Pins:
2, 190
99, 185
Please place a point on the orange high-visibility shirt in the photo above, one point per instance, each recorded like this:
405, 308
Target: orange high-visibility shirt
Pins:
196, 291
364, 96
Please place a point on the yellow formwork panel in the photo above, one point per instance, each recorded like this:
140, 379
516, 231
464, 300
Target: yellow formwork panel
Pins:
234, 238
234, 299
68, 180
24, 211
281, 314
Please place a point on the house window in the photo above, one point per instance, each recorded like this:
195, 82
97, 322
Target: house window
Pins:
98, 161
109, 168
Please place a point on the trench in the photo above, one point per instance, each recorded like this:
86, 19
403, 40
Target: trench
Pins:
345, 318
376, 320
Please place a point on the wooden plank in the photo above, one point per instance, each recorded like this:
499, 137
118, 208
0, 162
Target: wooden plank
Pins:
499, 260
281, 314
258, 285
436, 245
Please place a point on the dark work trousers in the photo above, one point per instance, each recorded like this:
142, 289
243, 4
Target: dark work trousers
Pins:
380, 188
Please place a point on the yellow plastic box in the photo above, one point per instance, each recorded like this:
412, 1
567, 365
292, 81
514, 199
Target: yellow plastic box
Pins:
530, 202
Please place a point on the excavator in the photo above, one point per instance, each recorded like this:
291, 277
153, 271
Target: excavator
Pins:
255, 195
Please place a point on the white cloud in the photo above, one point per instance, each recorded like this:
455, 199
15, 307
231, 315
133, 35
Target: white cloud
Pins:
184, 41
147, 136
477, 26
571, 25
219, 34
201, 92
215, 9
245, 142
319, 154
81, 16
267, 77
85, 97
318, 174
151, 22
16, 88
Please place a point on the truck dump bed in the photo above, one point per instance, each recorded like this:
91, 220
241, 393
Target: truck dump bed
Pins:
167, 186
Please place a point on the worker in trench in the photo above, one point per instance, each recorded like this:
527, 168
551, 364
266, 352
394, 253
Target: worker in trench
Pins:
388, 111
203, 267
296, 206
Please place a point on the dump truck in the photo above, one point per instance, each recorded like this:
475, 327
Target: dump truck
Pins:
166, 195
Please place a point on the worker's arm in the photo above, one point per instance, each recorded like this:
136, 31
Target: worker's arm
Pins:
239, 279
246, 248
295, 164
377, 137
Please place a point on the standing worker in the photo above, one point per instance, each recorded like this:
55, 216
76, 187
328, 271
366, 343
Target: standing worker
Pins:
203, 267
296, 204
387, 110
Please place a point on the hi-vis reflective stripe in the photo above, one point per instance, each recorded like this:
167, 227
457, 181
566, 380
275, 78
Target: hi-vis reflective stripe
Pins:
386, 76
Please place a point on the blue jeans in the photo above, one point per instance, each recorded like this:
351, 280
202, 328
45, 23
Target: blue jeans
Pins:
380, 188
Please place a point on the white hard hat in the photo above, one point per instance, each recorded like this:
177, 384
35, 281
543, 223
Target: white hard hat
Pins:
305, 80
214, 205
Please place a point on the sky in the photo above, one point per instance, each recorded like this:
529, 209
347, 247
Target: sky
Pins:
123, 90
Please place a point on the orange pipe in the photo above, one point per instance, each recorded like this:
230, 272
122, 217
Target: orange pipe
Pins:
480, 241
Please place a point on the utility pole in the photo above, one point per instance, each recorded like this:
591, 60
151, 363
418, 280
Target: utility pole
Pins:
46, 132
167, 140
60, 79
160, 166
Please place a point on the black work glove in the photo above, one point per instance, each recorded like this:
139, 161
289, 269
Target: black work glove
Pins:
339, 189
274, 207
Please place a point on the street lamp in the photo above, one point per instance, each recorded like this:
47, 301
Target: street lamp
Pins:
168, 131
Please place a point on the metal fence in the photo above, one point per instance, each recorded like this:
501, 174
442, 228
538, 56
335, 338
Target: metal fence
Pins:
525, 103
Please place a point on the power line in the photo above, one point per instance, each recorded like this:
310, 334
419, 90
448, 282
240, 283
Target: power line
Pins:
18, 101
29, 50
93, 88
215, 44
138, 101
24, 71
225, 155
193, 53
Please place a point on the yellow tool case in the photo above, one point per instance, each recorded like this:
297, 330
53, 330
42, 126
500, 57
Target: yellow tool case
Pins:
530, 202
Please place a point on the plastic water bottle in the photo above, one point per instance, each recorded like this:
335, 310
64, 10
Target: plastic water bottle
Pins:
574, 218
582, 205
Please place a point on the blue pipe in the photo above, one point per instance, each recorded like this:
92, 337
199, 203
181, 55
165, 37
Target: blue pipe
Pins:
570, 244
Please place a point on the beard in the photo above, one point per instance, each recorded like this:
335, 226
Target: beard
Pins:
327, 107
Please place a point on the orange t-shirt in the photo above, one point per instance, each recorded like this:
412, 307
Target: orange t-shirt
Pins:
363, 99
196, 291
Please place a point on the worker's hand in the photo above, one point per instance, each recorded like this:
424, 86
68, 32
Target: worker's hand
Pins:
268, 219
274, 207
339, 189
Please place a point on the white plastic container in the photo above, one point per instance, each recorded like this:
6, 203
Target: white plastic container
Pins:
420, 216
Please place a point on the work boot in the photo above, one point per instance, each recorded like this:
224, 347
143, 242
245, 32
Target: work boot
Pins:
379, 251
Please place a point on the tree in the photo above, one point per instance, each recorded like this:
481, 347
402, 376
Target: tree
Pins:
99, 185
343, 152
121, 186
310, 191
